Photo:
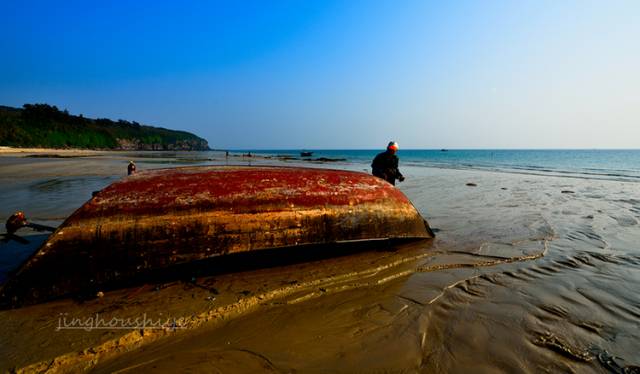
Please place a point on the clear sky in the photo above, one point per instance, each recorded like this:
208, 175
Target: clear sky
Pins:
337, 74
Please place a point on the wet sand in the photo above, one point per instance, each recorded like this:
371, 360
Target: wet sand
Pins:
522, 277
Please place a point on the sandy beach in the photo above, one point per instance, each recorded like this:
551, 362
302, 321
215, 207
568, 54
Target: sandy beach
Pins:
48, 151
528, 273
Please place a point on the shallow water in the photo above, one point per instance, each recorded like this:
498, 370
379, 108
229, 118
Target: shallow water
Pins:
522, 277
618, 164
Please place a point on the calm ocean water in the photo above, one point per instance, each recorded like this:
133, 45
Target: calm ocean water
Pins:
592, 164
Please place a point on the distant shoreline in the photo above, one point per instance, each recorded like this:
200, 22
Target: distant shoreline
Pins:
7, 150
4, 150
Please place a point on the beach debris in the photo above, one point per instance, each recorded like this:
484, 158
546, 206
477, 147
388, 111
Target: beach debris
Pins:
567, 191
18, 220
504, 188
562, 347
472, 184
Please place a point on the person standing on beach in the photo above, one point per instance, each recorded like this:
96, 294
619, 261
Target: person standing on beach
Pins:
131, 169
385, 164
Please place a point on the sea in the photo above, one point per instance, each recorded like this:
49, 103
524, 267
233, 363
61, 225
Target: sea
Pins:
618, 164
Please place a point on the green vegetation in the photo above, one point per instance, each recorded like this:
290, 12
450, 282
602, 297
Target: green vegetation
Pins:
42, 125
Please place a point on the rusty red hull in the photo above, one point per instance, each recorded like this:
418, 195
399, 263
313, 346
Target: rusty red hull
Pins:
158, 219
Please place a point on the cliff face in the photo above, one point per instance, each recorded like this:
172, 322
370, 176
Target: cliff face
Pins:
42, 125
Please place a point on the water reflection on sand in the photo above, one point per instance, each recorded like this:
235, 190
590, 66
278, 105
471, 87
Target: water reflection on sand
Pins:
522, 277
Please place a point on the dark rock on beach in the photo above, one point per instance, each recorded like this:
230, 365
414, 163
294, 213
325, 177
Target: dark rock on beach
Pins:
325, 159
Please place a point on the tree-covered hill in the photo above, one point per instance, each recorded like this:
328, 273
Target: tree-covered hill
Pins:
42, 125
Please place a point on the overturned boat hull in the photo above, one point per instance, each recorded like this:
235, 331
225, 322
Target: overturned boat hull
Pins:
162, 218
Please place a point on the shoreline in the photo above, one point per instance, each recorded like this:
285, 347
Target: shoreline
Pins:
218, 156
5, 150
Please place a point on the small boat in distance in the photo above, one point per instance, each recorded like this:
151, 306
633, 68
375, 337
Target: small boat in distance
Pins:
306, 154
159, 219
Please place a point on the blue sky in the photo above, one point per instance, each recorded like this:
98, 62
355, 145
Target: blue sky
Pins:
337, 74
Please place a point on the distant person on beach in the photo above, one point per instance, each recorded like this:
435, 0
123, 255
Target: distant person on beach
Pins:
385, 165
131, 169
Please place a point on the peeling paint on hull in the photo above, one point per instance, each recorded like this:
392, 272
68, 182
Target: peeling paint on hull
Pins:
160, 218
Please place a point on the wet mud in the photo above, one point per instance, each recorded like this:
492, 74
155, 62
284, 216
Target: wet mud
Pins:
521, 277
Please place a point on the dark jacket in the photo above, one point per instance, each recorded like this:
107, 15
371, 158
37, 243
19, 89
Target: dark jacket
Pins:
385, 166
